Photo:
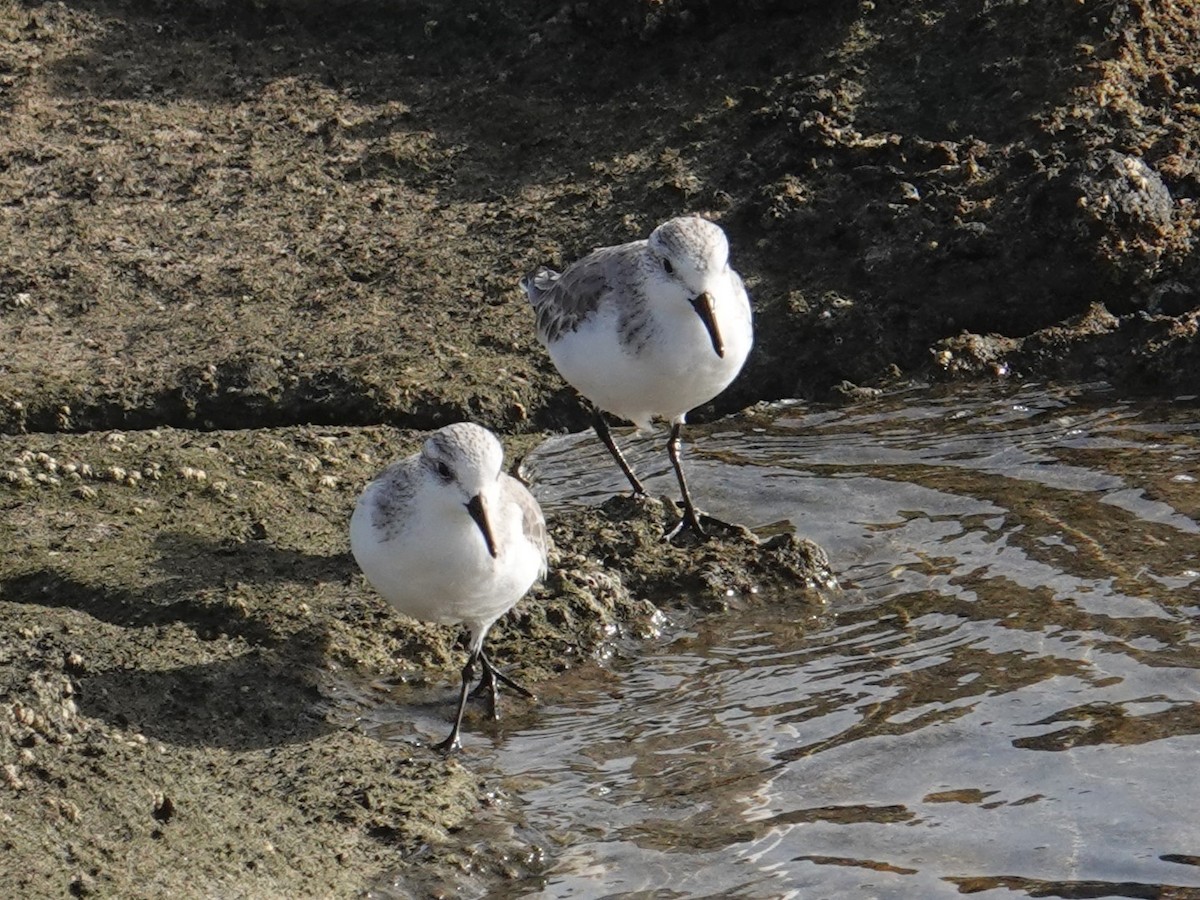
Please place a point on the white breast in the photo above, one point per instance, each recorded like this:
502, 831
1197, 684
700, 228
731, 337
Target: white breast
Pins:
435, 566
672, 372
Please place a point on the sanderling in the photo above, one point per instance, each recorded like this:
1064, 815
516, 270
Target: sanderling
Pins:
646, 330
446, 536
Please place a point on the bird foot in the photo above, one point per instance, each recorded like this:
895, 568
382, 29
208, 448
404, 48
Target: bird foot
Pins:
449, 745
488, 687
519, 688
687, 529
697, 527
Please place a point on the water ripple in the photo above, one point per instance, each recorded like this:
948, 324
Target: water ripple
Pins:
1006, 700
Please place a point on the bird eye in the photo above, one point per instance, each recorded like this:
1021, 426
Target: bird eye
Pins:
667, 267
444, 472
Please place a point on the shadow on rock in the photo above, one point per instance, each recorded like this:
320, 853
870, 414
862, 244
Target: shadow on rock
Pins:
209, 618
201, 591
252, 701
265, 696
193, 561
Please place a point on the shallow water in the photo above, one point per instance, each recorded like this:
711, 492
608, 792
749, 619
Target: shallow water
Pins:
1004, 699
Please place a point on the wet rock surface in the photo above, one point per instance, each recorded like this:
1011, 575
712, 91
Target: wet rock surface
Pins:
181, 616
241, 238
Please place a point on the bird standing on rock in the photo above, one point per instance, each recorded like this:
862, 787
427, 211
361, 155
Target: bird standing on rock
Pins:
645, 330
446, 536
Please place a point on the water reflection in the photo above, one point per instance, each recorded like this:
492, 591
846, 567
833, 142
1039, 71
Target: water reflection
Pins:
1006, 701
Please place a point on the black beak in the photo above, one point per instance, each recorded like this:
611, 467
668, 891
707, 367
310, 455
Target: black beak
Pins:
703, 306
479, 513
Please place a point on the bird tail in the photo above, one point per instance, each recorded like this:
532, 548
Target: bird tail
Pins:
537, 283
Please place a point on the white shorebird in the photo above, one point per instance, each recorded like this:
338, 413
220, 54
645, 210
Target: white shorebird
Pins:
649, 329
446, 536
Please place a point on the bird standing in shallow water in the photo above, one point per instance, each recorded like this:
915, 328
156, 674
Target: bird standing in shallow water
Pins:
649, 329
446, 536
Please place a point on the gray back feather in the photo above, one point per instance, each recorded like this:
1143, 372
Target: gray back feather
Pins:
532, 521
563, 302
393, 498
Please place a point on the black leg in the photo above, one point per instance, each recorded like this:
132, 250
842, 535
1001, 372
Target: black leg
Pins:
450, 744
504, 679
690, 520
488, 684
605, 435
487, 687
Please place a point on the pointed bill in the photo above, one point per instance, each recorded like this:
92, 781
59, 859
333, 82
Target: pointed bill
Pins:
478, 511
704, 309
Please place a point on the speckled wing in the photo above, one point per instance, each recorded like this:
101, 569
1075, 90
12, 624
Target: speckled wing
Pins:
391, 496
563, 302
533, 523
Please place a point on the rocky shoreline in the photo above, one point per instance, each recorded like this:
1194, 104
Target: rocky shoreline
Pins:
253, 250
